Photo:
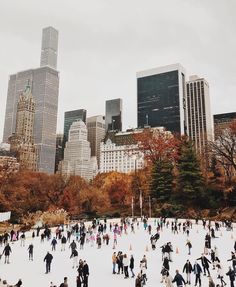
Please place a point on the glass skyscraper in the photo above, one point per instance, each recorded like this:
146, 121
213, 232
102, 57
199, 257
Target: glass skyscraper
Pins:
113, 118
45, 88
161, 98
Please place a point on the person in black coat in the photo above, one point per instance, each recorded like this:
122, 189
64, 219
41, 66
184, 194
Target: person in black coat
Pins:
30, 249
6, 252
179, 279
205, 264
85, 273
131, 265
188, 269
233, 259
166, 263
231, 275
48, 258
197, 271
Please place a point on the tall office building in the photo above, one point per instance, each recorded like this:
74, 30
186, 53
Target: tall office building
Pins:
113, 119
22, 141
200, 119
161, 98
49, 48
222, 122
70, 117
77, 153
96, 133
45, 88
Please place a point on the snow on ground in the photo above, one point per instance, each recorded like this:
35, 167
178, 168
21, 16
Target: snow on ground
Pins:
99, 260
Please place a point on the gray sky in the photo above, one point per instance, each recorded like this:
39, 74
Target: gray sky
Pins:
103, 43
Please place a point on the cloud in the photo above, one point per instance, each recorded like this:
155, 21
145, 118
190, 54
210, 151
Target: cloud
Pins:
103, 43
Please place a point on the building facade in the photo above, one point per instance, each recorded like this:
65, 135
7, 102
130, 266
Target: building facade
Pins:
161, 98
200, 119
222, 122
22, 141
96, 134
119, 152
113, 118
69, 118
45, 88
77, 153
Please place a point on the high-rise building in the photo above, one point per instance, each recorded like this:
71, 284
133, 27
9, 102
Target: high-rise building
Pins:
161, 98
22, 141
96, 133
70, 117
59, 151
222, 122
113, 118
49, 48
77, 153
45, 88
200, 119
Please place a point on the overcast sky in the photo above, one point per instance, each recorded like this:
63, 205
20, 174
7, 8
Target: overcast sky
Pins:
103, 43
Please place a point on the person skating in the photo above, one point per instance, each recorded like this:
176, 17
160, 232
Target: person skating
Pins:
48, 258
30, 249
180, 282
138, 281
126, 265
197, 271
143, 268
189, 244
205, 264
231, 275
131, 265
63, 243
233, 259
220, 274
65, 283
54, 243
6, 252
113, 263
74, 255
85, 274
188, 269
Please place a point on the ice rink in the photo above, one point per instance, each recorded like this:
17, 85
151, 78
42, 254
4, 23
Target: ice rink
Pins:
33, 274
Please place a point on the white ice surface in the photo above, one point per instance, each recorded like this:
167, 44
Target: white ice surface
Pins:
99, 260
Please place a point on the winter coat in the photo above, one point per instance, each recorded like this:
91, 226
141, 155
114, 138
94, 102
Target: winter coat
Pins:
197, 269
48, 258
131, 264
188, 267
85, 269
179, 280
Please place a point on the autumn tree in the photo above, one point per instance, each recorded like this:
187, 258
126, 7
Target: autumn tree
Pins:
160, 151
224, 150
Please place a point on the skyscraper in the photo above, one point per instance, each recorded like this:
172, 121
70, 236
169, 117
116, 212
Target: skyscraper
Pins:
49, 48
113, 119
22, 141
96, 133
161, 98
200, 119
45, 88
70, 117
77, 153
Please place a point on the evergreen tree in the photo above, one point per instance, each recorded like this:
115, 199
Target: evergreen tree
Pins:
190, 179
162, 180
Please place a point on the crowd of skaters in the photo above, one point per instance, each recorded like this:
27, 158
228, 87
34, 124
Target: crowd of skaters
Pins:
96, 234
